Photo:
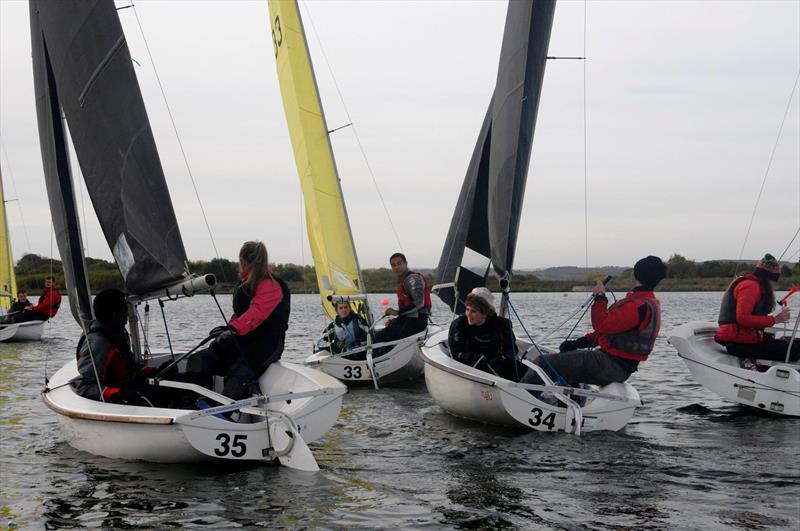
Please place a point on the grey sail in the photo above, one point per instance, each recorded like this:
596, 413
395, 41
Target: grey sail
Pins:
58, 179
485, 224
92, 78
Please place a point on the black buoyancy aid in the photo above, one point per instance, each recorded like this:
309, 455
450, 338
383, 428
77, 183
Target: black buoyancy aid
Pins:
727, 310
263, 345
641, 340
404, 299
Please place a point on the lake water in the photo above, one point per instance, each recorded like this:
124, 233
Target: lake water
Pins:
687, 460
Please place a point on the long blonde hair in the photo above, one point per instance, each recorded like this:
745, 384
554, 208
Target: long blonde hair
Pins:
254, 253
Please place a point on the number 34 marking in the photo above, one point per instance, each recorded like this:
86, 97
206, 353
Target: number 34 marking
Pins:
549, 420
237, 448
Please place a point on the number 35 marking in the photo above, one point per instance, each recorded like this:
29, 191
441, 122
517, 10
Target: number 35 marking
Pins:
236, 449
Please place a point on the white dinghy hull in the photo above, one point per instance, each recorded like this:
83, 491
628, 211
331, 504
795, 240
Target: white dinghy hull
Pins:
30, 331
183, 436
476, 395
777, 390
401, 365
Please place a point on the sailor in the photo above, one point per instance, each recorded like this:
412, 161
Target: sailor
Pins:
745, 313
47, 307
623, 334
106, 364
346, 332
22, 302
255, 334
413, 301
482, 339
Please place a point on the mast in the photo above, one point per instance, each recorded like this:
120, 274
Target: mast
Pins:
329, 233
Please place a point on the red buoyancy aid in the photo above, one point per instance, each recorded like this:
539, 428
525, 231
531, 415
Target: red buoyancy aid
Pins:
404, 299
637, 343
49, 303
730, 329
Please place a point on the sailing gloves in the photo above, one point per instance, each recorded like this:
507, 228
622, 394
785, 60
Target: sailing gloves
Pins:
574, 344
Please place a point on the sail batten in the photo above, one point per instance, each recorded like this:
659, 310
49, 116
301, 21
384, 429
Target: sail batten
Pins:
87, 72
329, 234
486, 219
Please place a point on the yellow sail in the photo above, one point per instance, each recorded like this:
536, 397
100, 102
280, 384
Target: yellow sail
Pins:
326, 217
8, 282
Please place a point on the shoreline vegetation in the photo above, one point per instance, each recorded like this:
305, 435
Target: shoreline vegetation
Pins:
684, 275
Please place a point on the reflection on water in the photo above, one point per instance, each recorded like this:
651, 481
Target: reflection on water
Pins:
394, 459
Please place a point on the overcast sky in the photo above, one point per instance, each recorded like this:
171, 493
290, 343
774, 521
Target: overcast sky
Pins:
684, 102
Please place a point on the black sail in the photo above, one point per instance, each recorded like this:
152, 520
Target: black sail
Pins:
58, 179
92, 76
485, 224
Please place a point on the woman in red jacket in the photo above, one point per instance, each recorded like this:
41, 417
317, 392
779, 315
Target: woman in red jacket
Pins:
254, 336
745, 313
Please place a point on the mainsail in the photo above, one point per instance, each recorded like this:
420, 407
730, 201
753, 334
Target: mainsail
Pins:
326, 217
82, 67
485, 224
8, 281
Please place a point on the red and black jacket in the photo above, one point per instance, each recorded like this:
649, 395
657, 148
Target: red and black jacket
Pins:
628, 328
744, 312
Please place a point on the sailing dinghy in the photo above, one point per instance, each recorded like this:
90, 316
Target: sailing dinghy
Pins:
82, 67
329, 234
776, 389
32, 330
483, 234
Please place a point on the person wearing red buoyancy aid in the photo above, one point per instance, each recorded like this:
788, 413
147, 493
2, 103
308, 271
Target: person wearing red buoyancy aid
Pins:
254, 337
47, 307
623, 333
107, 367
413, 301
745, 313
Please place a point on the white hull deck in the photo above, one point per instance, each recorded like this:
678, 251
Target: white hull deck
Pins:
776, 390
476, 395
30, 331
184, 436
402, 365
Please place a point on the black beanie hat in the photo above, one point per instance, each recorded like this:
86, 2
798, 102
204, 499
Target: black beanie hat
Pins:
650, 271
107, 303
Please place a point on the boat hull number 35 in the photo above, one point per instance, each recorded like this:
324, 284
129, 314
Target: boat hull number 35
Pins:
234, 448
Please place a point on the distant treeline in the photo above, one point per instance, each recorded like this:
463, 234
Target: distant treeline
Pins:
684, 275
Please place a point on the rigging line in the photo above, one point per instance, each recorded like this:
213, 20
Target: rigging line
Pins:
16, 194
177, 136
790, 244
769, 165
585, 148
355, 131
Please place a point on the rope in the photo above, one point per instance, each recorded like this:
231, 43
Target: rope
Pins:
585, 147
16, 194
219, 307
180, 143
166, 328
559, 379
766, 172
790, 244
355, 132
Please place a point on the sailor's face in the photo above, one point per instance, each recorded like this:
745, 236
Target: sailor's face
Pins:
399, 265
475, 317
343, 310
22, 296
48, 283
